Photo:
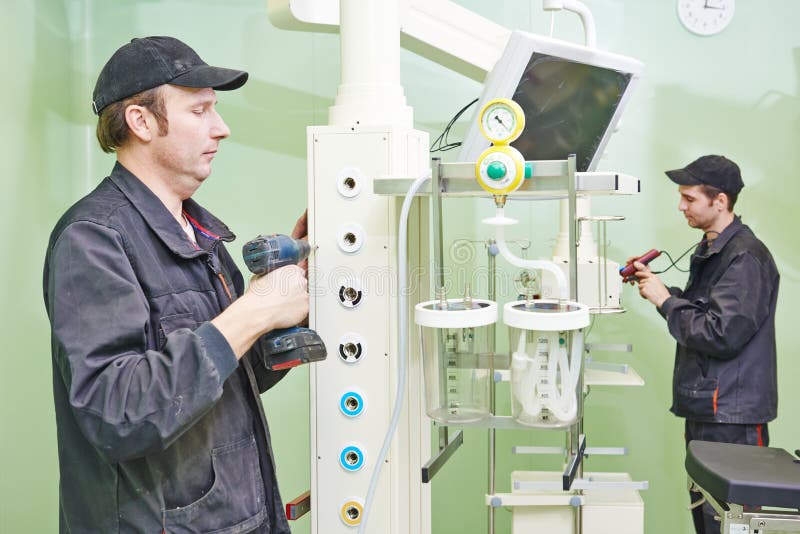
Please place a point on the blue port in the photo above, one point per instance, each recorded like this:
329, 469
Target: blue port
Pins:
351, 459
351, 404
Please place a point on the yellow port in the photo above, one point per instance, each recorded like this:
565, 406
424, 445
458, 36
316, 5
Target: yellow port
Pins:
351, 513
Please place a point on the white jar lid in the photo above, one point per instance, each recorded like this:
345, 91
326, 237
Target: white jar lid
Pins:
546, 314
482, 313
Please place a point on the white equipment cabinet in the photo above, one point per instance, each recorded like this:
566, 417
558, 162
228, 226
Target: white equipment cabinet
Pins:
604, 511
353, 287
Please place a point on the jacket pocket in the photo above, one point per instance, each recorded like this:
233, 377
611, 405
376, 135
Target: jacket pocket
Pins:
170, 323
235, 502
698, 400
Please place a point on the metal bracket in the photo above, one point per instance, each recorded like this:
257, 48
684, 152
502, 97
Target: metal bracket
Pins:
583, 484
433, 465
589, 451
573, 464
608, 347
299, 506
622, 368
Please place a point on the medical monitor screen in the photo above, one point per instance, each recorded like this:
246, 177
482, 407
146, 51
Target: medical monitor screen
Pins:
572, 96
568, 108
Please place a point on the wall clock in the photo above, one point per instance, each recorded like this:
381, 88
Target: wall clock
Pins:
705, 17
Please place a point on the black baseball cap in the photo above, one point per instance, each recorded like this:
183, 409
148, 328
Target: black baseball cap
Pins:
716, 171
148, 62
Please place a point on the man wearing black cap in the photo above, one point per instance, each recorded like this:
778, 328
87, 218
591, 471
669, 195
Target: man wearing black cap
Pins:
725, 377
156, 344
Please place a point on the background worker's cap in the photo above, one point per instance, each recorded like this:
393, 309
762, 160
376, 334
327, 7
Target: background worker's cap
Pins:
149, 62
716, 171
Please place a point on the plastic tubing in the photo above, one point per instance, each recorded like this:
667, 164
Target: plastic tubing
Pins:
562, 401
526, 389
402, 360
564, 405
561, 279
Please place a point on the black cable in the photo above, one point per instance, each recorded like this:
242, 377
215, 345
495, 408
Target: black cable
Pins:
674, 263
441, 144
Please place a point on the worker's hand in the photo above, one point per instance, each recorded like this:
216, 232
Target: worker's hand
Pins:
301, 232
301, 227
275, 300
632, 278
280, 297
650, 285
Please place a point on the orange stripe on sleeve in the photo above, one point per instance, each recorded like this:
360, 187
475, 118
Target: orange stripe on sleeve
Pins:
716, 393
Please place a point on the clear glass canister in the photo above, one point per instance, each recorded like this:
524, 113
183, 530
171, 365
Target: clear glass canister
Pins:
546, 344
457, 354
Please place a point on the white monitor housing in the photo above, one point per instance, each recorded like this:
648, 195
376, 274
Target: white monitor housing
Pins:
572, 96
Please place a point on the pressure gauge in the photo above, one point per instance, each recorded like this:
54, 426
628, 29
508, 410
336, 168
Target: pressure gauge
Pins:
500, 169
502, 121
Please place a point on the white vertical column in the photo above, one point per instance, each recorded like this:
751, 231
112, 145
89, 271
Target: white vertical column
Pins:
353, 284
353, 279
369, 91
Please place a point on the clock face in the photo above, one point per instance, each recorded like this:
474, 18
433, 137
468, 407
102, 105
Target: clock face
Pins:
705, 17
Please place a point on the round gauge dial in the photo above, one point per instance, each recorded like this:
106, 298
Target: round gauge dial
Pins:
502, 121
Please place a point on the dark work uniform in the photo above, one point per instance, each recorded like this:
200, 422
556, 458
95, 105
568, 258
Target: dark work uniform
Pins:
160, 428
725, 377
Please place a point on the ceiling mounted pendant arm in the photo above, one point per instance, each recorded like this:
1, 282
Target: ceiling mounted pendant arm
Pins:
440, 30
582, 11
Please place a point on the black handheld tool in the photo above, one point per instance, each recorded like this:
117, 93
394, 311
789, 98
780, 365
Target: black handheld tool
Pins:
288, 347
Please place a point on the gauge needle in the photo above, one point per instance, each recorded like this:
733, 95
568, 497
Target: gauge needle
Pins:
498, 119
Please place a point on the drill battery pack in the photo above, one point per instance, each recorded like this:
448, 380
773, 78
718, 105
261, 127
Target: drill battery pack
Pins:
291, 347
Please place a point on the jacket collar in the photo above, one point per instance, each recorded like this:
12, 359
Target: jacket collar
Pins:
161, 221
722, 239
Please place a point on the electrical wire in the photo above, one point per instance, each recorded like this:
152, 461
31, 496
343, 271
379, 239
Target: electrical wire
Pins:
674, 263
441, 144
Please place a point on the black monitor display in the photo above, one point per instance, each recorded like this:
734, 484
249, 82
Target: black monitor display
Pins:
572, 97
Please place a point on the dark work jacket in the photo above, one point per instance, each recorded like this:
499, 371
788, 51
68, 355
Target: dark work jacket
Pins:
724, 323
159, 427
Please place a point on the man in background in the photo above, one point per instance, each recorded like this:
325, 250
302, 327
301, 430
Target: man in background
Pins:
156, 344
725, 378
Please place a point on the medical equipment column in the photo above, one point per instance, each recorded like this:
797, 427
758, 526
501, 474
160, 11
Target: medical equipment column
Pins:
353, 289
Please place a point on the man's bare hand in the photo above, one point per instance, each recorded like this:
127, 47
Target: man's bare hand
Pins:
281, 296
650, 285
632, 278
301, 232
301, 227
275, 300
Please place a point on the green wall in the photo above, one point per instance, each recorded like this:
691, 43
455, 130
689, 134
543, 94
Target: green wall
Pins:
735, 93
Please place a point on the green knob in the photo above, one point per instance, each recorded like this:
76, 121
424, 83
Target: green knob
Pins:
496, 170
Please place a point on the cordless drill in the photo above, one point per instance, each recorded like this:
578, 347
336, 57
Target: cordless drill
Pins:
288, 347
